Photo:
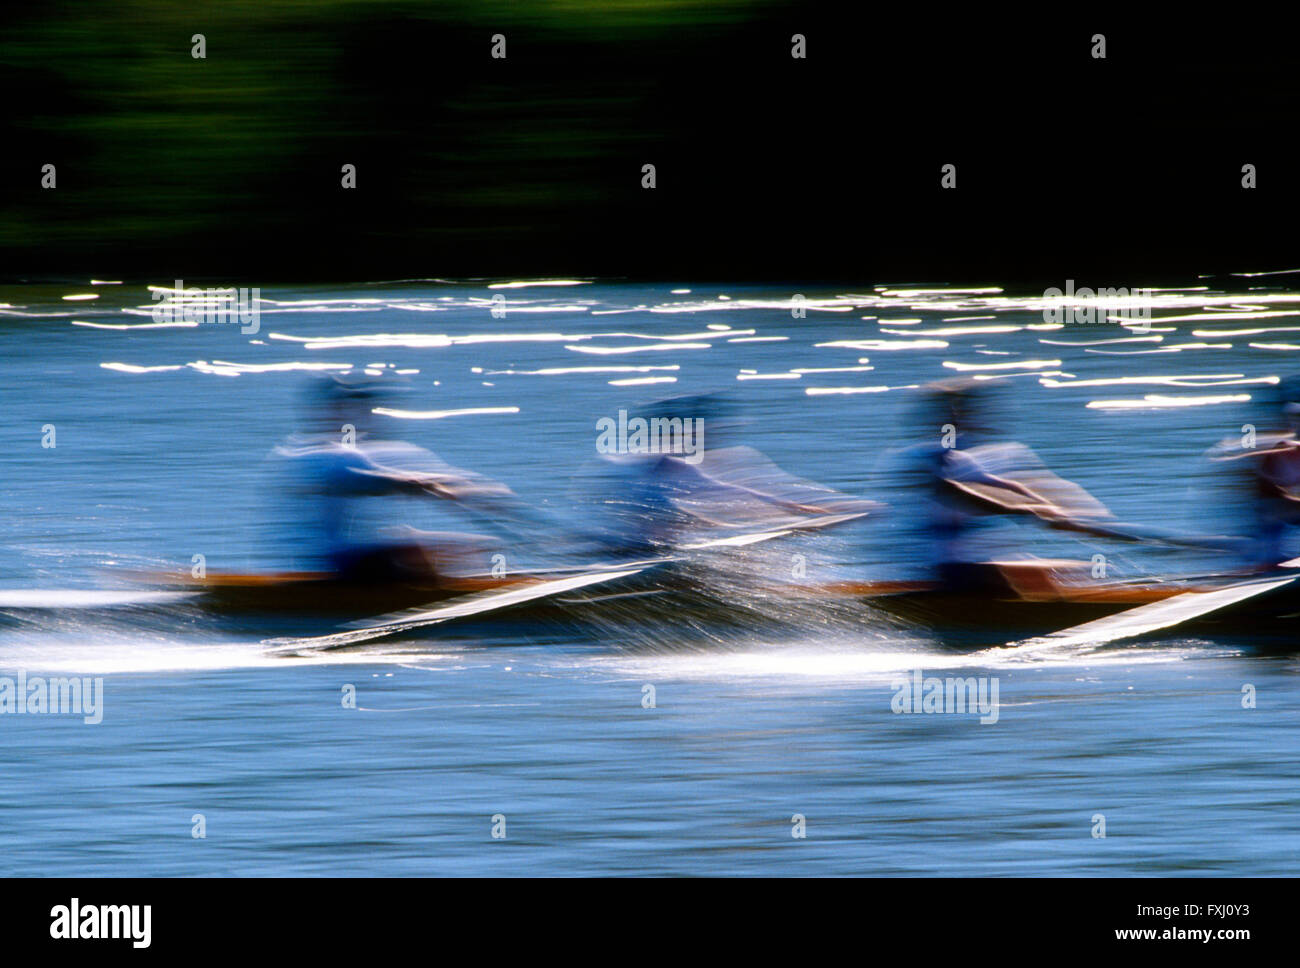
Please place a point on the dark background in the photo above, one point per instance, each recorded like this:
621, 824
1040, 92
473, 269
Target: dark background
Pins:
769, 168
230, 918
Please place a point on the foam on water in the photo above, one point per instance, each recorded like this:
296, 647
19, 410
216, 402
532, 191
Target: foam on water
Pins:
101, 651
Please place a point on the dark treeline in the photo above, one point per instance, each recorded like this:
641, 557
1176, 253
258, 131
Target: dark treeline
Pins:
1114, 171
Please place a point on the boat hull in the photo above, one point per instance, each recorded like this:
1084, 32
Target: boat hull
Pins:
657, 602
959, 621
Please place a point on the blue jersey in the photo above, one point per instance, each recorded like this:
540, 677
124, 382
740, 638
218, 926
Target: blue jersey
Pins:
333, 515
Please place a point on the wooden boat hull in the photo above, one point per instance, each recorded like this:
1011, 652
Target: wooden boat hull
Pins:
276, 604
311, 594
1029, 605
969, 621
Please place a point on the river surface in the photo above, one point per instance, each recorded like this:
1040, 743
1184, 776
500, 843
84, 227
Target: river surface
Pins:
774, 750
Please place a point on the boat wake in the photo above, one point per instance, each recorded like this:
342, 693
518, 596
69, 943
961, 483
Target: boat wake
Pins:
842, 659
876, 663
719, 627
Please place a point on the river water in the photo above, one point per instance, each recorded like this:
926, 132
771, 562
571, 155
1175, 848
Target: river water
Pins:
162, 436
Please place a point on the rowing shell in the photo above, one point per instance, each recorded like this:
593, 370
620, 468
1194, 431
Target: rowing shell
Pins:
490, 602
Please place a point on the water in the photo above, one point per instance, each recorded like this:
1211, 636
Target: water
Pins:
153, 467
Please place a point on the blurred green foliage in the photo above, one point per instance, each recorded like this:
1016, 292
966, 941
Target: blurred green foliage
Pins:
231, 164
768, 167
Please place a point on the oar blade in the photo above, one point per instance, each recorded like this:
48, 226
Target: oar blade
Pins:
461, 608
794, 526
1165, 613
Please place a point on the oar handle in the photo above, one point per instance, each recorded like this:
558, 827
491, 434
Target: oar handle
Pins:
1130, 532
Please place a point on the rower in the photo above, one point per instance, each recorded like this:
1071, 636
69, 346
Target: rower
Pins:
337, 463
657, 489
969, 480
1271, 457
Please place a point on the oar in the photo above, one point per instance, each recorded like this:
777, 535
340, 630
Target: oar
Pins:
1157, 615
1124, 531
1054, 517
799, 524
461, 608
505, 511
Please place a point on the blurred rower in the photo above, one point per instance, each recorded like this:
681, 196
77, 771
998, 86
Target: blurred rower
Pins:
1270, 456
339, 466
657, 491
967, 481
